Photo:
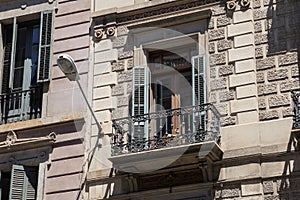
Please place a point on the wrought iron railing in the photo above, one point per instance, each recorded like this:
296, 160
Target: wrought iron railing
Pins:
167, 128
21, 105
296, 108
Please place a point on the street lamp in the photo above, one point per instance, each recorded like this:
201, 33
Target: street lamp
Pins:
69, 68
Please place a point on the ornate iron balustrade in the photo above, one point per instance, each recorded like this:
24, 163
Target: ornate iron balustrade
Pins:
296, 108
167, 128
21, 105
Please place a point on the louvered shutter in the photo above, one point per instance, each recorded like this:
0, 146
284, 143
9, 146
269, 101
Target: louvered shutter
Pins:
23, 184
45, 46
140, 90
7, 59
199, 91
13, 53
140, 100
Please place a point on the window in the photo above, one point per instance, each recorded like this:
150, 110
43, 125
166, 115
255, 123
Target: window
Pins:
173, 79
20, 183
27, 59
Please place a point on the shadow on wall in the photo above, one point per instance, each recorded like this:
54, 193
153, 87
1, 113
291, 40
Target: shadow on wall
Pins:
288, 186
283, 26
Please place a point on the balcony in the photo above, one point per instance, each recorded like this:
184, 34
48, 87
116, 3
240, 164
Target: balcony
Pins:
21, 105
184, 136
296, 108
296, 114
167, 128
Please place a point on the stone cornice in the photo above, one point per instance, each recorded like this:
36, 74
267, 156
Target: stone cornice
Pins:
41, 123
13, 143
149, 10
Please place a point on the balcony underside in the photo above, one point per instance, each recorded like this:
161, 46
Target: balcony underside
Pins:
168, 158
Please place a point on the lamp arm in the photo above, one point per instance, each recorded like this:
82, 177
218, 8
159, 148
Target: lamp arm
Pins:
89, 106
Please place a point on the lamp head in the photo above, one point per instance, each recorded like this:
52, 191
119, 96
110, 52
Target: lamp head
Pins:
68, 66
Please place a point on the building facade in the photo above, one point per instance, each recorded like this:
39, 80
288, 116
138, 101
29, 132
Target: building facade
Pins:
43, 115
195, 99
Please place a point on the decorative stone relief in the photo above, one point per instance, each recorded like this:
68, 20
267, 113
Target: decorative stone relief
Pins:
98, 34
268, 187
245, 3
110, 31
101, 32
231, 4
11, 138
163, 11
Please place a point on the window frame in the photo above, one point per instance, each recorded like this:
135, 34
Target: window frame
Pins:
42, 72
143, 58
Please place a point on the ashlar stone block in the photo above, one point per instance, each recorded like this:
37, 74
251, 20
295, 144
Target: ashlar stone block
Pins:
247, 117
102, 68
279, 100
240, 29
102, 92
103, 116
103, 45
251, 189
216, 34
105, 56
244, 66
243, 40
277, 74
246, 91
242, 16
105, 104
241, 53
105, 79
268, 114
243, 105
241, 79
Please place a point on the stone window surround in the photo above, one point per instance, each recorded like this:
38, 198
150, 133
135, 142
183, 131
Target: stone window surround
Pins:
16, 11
140, 55
31, 11
131, 17
28, 152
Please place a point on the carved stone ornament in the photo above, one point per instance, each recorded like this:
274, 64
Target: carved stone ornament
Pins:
11, 138
231, 5
245, 3
98, 34
110, 31
103, 32
164, 10
12, 141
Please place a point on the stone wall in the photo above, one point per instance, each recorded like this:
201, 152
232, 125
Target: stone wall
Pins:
253, 65
254, 60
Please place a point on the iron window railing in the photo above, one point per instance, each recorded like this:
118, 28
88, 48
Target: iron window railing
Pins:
166, 128
21, 105
296, 108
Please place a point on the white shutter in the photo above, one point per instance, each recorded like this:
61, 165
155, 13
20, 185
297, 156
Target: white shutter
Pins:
140, 100
199, 80
199, 92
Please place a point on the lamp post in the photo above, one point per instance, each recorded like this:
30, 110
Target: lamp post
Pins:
69, 68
